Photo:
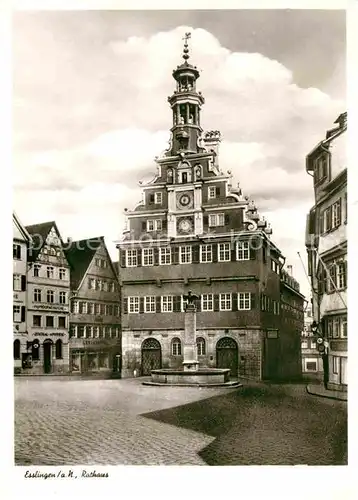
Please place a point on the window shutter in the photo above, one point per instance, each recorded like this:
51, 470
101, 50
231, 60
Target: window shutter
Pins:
23, 313
23, 283
164, 224
196, 252
141, 304
215, 252
252, 247
175, 255
234, 301
139, 257
125, 306
233, 252
205, 221
253, 300
216, 302
339, 212
227, 219
123, 258
151, 198
156, 256
158, 307
217, 190
198, 305
144, 225
321, 223
329, 218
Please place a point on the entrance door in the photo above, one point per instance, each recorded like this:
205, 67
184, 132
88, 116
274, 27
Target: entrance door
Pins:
227, 355
151, 356
47, 356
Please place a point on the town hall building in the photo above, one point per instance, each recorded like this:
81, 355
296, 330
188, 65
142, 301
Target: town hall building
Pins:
195, 231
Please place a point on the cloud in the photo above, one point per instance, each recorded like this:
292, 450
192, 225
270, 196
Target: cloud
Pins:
88, 124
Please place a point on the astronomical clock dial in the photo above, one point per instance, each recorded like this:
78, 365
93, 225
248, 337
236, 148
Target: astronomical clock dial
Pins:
185, 226
184, 200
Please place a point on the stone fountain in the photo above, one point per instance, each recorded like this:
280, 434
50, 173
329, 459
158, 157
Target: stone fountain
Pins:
191, 374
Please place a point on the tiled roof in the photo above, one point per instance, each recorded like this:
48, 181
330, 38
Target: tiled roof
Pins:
80, 255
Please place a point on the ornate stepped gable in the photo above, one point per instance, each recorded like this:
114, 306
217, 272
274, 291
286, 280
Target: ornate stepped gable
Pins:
189, 185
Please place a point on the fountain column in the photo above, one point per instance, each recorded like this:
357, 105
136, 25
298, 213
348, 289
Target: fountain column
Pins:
190, 353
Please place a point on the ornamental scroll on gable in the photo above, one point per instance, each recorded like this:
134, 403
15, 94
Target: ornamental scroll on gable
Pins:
253, 219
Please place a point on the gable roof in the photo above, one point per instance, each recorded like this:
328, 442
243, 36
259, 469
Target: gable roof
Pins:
79, 256
39, 233
21, 228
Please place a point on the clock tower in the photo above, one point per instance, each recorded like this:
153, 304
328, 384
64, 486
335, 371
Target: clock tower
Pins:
194, 228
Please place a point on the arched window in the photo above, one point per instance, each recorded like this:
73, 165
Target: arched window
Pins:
17, 349
58, 349
200, 344
176, 347
36, 349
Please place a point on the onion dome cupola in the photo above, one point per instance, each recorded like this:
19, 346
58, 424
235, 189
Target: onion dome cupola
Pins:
186, 103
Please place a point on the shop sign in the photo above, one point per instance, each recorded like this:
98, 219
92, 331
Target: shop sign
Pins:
47, 334
49, 307
98, 341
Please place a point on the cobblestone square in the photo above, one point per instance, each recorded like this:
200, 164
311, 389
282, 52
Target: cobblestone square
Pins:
62, 421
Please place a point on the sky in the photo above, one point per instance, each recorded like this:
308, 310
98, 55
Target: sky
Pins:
90, 109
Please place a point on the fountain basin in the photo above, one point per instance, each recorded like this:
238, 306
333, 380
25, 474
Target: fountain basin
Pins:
202, 377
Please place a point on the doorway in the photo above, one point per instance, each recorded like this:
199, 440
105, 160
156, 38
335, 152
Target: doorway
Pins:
227, 355
47, 345
151, 356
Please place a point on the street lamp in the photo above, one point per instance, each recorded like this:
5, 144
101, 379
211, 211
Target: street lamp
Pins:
322, 347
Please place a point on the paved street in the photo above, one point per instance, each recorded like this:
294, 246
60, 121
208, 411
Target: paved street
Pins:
85, 422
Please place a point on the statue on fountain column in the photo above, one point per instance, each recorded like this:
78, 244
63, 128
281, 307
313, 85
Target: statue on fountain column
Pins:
190, 299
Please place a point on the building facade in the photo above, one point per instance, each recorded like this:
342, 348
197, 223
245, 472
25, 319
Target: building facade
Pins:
312, 365
95, 329
48, 280
194, 230
21, 241
326, 242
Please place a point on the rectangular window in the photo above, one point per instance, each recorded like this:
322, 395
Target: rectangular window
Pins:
225, 302
62, 274
158, 198
165, 256
149, 304
206, 253
50, 272
92, 284
150, 225
132, 258
17, 314
50, 296
313, 344
133, 304
95, 332
158, 225
90, 307
185, 255
36, 320
345, 208
37, 268
16, 251
304, 344
167, 303
147, 257
243, 250
311, 366
50, 323
216, 220
62, 321
332, 278
103, 309
17, 282
83, 308
116, 310
224, 254
336, 214
80, 331
211, 192
327, 214
341, 276
112, 287
244, 301
97, 308
207, 302
62, 296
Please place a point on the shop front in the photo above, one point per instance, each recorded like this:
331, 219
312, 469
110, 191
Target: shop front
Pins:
95, 356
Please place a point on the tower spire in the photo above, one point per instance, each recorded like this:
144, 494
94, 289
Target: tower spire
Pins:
186, 47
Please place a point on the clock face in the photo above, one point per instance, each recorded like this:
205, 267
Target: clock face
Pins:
184, 200
185, 226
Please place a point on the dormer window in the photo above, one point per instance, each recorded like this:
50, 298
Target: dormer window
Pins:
320, 166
